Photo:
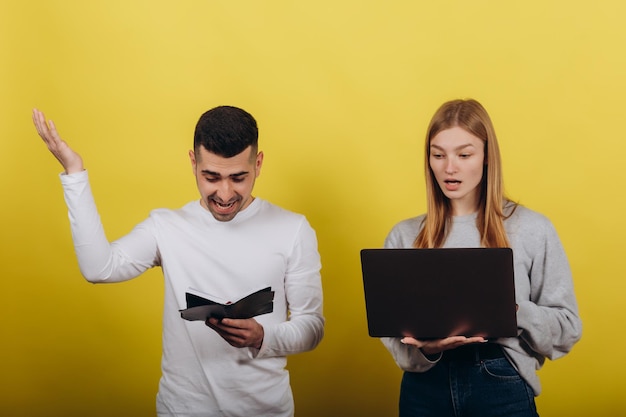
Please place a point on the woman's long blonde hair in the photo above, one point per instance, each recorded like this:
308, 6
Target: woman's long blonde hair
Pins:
471, 116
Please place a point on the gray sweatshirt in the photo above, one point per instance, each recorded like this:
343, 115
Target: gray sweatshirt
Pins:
547, 317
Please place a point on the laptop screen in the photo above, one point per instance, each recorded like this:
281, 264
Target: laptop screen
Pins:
436, 293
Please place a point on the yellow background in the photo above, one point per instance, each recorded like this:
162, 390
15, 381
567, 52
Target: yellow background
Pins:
342, 91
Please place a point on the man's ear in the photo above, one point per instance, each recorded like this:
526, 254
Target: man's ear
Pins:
259, 163
192, 158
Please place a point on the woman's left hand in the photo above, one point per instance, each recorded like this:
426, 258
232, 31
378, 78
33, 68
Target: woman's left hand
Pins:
435, 346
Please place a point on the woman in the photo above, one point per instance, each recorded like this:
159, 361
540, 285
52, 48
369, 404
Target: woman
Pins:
466, 207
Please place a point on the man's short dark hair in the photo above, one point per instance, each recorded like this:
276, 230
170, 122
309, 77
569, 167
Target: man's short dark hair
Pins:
226, 131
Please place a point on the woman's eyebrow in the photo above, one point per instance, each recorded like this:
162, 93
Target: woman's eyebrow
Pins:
458, 148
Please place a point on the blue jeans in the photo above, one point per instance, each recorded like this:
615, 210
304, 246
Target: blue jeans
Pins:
487, 388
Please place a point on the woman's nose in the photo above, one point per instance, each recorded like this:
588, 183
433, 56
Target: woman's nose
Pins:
450, 167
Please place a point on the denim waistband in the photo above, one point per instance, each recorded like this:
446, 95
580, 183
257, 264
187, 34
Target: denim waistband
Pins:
473, 353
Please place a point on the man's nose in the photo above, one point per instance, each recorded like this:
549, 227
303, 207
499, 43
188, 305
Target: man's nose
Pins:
225, 191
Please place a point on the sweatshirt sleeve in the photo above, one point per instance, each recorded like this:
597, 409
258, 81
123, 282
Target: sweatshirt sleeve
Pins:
99, 260
549, 320
408, 357
304, 329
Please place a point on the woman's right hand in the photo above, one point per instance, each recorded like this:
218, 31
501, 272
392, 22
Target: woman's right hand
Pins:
71, 161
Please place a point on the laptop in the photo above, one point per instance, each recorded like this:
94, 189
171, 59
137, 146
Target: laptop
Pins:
436, 293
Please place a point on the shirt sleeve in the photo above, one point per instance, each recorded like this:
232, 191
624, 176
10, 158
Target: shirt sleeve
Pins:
304, 328
549, 320
98, 259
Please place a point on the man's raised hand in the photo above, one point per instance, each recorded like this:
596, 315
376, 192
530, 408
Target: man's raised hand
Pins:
71, 161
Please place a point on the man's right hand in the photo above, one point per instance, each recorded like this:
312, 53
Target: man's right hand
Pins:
71, 161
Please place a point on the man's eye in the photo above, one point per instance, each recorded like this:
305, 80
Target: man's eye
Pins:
238, 180
211, 179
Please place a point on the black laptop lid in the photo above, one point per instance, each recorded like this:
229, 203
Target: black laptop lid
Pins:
436, 293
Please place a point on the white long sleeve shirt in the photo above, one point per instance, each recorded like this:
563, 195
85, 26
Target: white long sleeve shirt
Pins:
264, 245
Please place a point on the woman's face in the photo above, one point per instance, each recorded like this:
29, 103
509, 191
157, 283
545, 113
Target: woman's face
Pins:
457, 159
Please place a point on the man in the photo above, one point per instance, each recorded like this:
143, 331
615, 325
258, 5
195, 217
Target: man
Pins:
228, 244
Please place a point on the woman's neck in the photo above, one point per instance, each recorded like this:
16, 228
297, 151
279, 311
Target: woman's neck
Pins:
460, 209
